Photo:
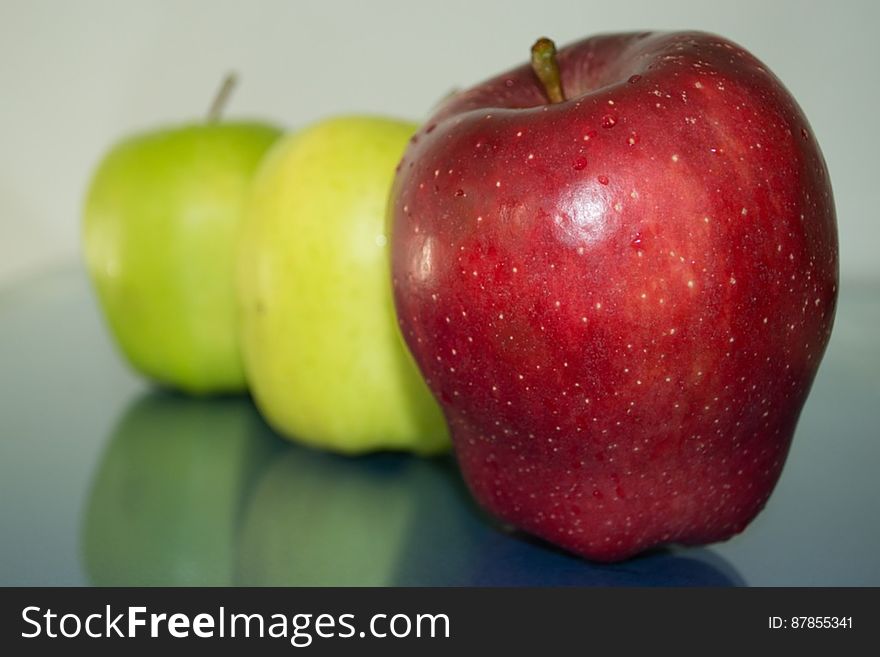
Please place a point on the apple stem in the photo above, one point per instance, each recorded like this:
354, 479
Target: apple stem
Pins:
222, 97
546, 69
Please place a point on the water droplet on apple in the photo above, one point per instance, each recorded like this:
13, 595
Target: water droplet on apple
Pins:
597, 493
636, 242
609, 121
580, 164
459, 192
603, 180
633, 139
430, 128
804, 133
509, 82
634, 78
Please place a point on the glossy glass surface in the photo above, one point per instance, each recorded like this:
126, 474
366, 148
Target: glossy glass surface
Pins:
106, 480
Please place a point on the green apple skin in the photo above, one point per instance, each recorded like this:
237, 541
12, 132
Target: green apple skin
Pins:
167, 499
160, 226
322, 351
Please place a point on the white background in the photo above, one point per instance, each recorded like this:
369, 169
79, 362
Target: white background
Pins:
76, 76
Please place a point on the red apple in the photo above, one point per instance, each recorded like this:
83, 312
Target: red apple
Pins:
620, 298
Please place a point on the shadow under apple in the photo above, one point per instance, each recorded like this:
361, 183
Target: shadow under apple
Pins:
166, 501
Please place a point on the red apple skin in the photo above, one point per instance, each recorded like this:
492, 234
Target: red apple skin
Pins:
620, 300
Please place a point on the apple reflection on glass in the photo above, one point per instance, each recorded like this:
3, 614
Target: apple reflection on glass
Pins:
202, 492
166, 501
395, 520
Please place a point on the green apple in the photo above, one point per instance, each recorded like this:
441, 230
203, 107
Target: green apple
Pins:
320, 519
167, 500
322, 350
160, 225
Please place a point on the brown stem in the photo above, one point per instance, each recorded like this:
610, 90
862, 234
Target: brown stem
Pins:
220, 100
546, 68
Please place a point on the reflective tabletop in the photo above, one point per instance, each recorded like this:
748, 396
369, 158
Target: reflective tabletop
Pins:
106, 480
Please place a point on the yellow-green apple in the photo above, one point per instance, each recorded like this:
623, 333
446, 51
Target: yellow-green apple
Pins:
167, 499
160, 224
321, 347
617, 268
